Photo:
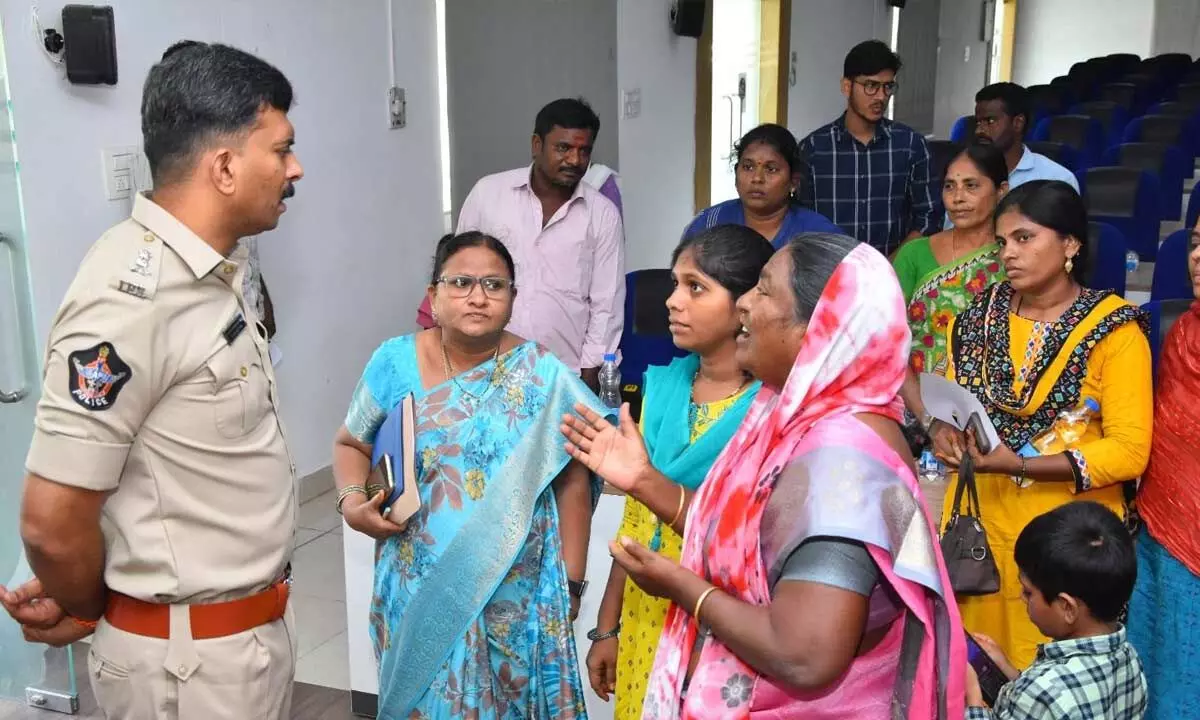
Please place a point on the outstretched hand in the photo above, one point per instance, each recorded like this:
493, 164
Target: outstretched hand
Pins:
615, 453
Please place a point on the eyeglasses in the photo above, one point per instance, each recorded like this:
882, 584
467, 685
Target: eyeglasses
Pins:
461, 286
872, 87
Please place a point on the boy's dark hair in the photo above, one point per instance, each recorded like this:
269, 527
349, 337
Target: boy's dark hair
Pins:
569, 114
1014, 97
869, 58
1081, 549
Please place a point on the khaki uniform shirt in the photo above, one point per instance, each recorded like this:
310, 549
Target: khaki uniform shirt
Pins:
158, 387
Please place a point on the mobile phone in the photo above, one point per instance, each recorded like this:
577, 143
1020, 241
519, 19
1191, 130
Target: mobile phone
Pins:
981, 439
991, 678
384, 475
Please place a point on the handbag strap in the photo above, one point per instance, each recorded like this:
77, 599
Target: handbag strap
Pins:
966, 482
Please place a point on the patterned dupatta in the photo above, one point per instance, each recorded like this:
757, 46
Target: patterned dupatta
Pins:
942, 294
980, 348
853, 359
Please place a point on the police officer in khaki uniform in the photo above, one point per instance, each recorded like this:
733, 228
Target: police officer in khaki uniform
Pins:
159, 505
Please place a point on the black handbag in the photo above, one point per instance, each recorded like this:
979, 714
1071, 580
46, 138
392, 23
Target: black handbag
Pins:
969, 560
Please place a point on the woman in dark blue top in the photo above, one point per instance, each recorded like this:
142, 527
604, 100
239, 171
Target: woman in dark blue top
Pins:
768, 177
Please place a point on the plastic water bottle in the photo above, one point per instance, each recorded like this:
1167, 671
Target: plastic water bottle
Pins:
1068, 427
930, 469
610, 382
1131, 261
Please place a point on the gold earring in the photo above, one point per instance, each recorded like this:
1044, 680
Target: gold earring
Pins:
1070, 265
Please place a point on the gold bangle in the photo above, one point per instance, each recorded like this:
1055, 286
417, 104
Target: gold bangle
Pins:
347, 492
679, 510
700, 602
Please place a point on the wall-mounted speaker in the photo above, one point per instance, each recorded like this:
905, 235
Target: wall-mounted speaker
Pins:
687, 17
91, 44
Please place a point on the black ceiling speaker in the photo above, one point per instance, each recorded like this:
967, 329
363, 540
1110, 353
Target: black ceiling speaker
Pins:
687, 17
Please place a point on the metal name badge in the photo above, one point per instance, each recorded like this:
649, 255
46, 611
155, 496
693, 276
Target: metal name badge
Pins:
130, 289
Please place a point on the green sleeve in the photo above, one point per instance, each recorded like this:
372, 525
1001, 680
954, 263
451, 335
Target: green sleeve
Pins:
907, 271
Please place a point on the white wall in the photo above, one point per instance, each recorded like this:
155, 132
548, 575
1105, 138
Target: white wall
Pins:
340, 265
1176, 27
823, 31
962, 63
657, 148
918, 41
1052, 35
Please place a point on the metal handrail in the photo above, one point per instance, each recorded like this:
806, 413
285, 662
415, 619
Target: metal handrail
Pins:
15, 396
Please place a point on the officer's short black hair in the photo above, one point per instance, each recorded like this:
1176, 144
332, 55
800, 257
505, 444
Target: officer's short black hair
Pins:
200, 92
1081, 549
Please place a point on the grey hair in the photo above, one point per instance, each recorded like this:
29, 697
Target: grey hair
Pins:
815, 257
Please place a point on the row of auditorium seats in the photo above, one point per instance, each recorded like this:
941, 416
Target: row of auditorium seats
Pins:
1130, 130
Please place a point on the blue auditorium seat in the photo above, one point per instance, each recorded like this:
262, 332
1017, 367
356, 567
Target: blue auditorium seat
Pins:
1105, 268
963, 130
645, 340
1163, 314
1127, 199
1083, 133
1167, 162
1171, 279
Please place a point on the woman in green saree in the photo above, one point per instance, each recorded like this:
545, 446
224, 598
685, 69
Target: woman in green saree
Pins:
940, 275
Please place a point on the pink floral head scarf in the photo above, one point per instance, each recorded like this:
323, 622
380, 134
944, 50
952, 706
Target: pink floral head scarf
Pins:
853, 360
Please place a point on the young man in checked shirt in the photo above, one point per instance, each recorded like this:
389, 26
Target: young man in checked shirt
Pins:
1077, 573
867, 174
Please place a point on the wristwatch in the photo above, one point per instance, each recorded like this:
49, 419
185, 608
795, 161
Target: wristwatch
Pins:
595, 635
926, 421
577, 587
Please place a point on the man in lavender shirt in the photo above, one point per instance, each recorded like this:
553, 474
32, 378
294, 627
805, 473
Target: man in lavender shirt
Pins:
565, 237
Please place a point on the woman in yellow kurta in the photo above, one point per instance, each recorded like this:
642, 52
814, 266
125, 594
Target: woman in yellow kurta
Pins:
690, 411
1029, 349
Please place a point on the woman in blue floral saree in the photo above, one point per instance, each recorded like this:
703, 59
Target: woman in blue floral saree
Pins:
475, 595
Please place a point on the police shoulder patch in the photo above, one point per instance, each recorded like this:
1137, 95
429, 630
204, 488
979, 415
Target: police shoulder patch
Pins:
97, 375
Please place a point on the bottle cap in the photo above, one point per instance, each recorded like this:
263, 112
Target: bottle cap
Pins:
1092, 404
610, 357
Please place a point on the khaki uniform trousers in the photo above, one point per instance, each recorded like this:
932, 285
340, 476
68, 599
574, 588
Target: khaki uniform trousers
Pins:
247, 676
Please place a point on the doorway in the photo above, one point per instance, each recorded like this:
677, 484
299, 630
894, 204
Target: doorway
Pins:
741, 82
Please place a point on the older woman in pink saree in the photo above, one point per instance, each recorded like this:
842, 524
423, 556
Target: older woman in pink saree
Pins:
811, 584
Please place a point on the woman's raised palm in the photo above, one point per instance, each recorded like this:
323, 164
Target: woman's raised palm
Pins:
616, 453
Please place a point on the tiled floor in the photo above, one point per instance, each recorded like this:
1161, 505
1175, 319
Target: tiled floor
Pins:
319, 596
